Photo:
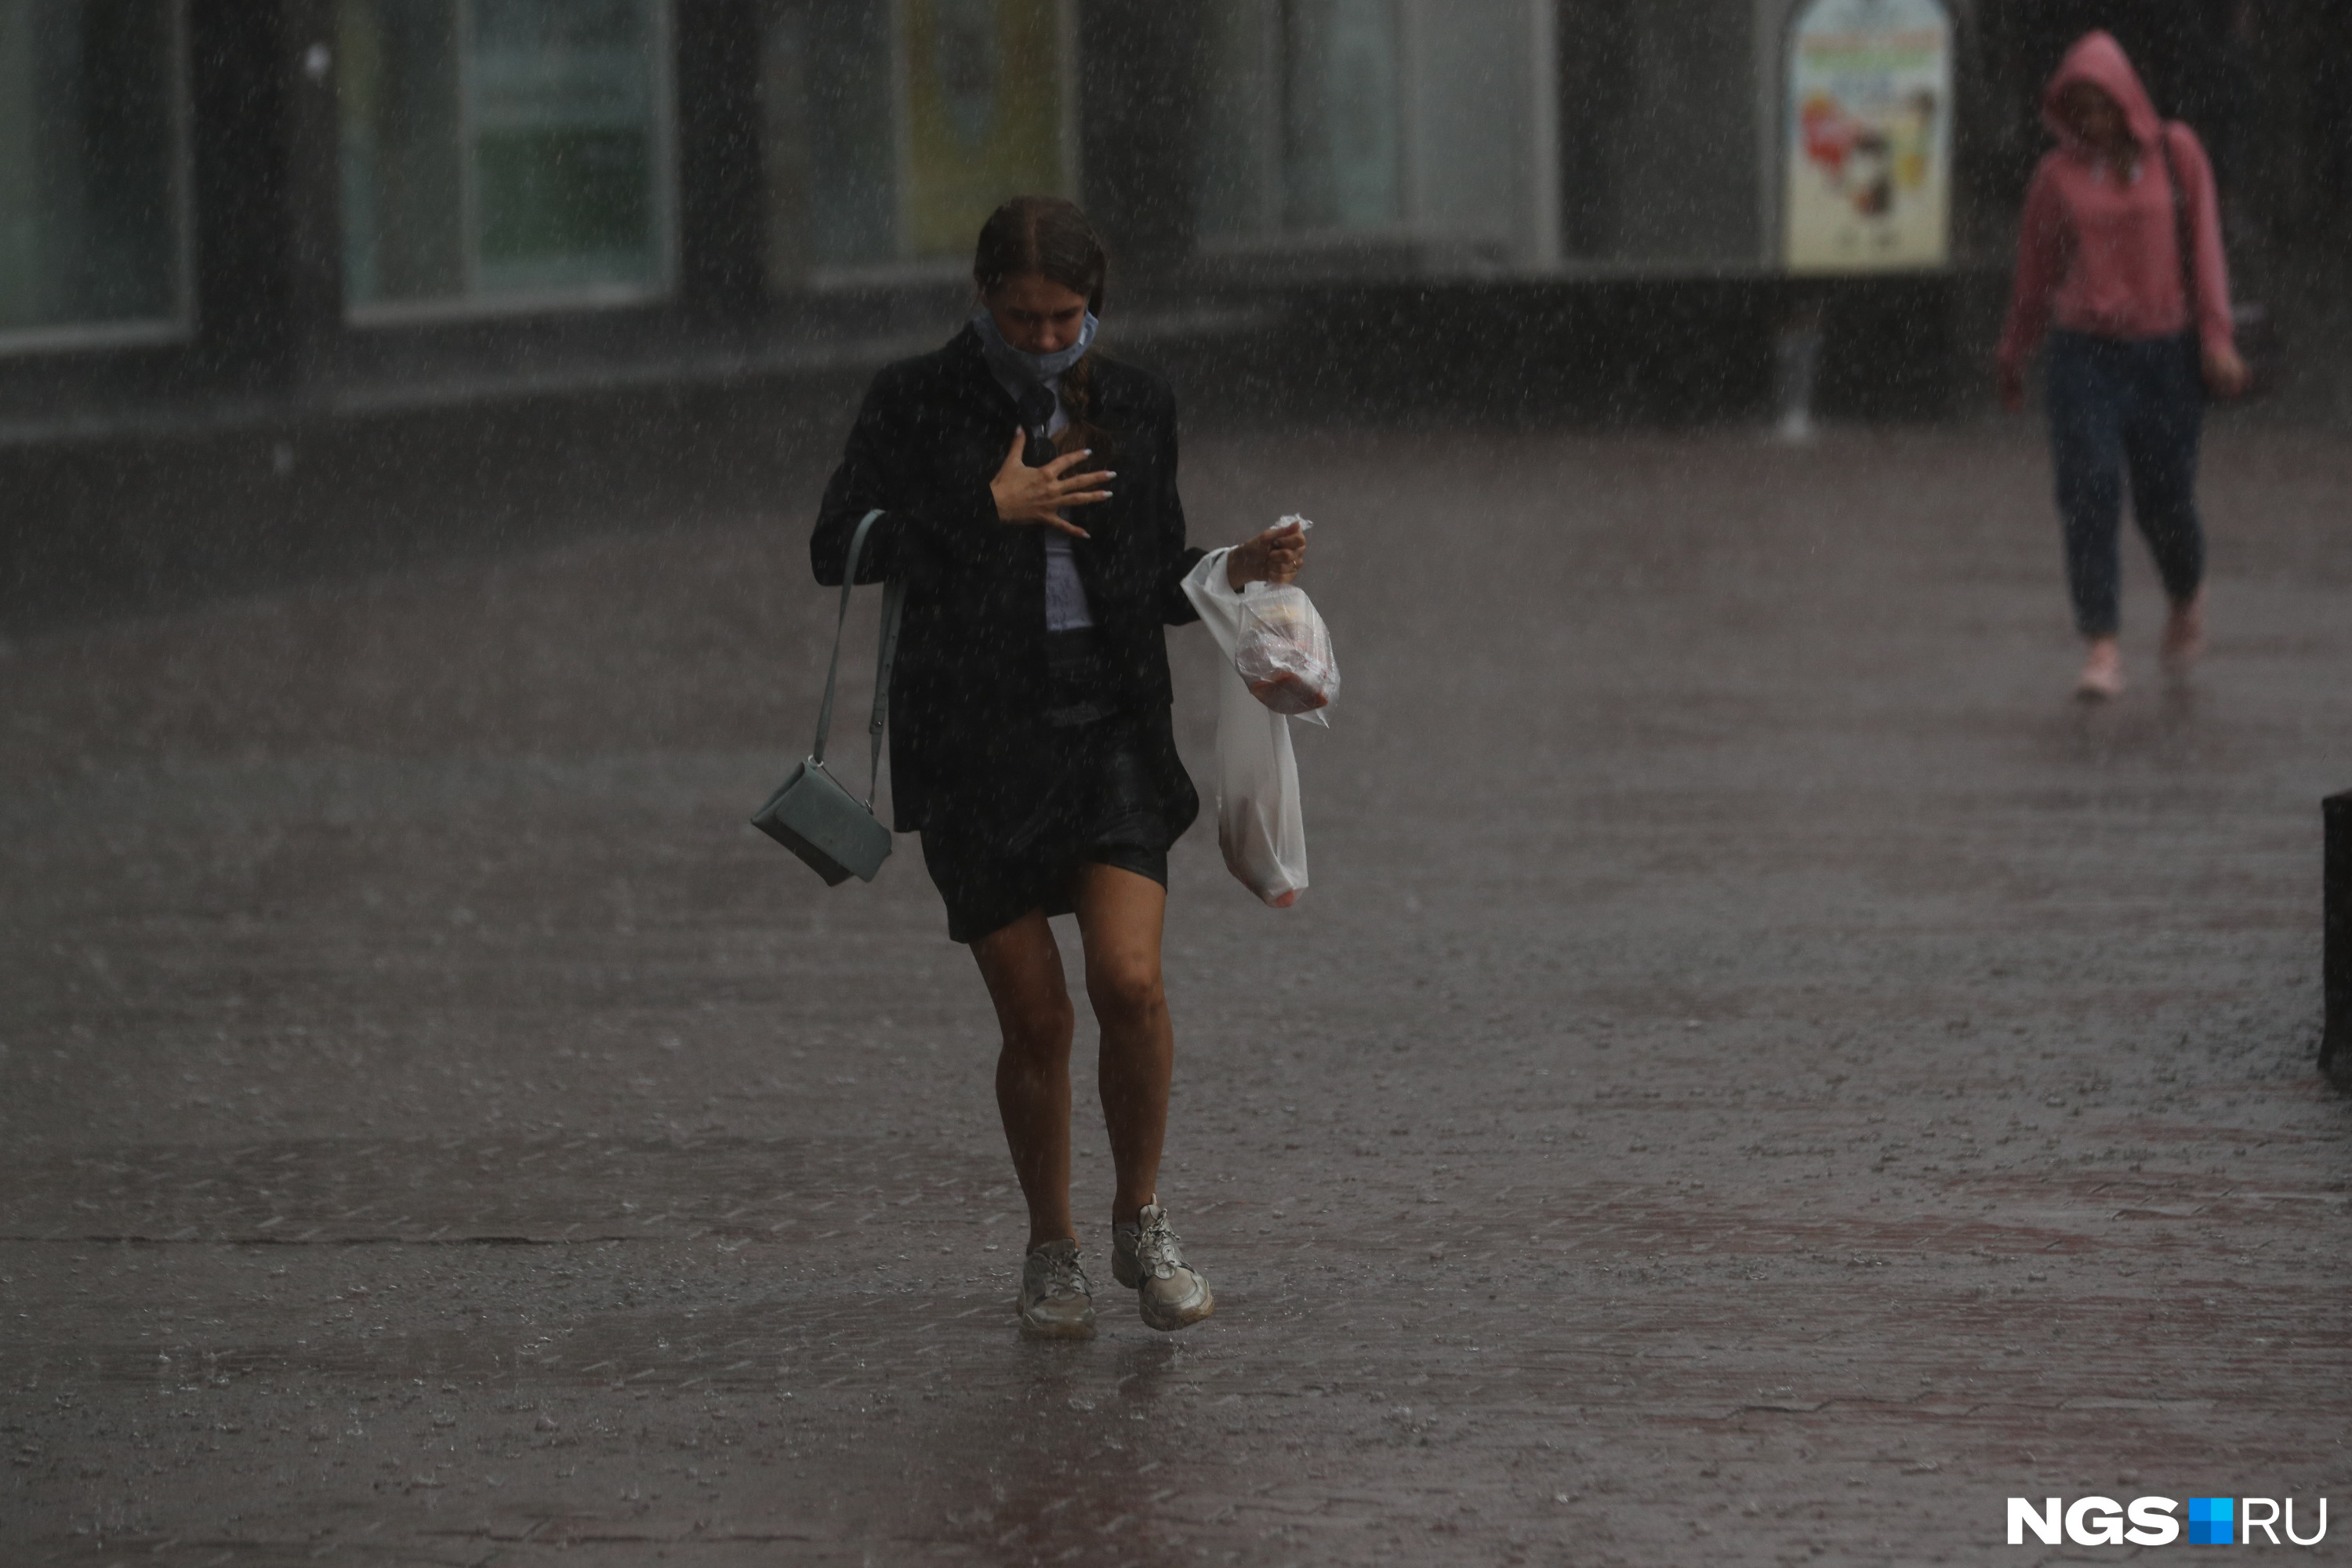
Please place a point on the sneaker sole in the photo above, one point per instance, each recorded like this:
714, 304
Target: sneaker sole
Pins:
1034, 1329
1169, 1322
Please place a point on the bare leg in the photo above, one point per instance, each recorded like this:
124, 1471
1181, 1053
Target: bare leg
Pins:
1119, 918
1023, 968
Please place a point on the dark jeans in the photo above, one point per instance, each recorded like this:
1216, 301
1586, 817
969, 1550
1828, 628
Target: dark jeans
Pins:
2118, 404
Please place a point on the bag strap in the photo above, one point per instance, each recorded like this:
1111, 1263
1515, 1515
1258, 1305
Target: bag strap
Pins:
841, 621
2182, 240
894, 603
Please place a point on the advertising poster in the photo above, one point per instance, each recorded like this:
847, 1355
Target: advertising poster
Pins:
983, 113
1868, 143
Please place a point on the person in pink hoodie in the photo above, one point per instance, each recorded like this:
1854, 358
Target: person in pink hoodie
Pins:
2131, 355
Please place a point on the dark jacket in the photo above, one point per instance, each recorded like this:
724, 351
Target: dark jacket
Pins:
969, 692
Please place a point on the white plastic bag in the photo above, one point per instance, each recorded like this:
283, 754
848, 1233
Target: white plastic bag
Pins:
1260, 827
1284, 652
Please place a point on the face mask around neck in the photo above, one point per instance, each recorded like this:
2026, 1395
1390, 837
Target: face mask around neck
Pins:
1038, 368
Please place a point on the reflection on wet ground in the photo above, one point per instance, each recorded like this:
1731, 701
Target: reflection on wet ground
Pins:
1759, 1077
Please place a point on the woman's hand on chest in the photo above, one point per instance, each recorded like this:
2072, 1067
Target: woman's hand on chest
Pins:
1027, 497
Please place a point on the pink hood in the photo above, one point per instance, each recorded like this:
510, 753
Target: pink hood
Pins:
2098, 59
2100, 255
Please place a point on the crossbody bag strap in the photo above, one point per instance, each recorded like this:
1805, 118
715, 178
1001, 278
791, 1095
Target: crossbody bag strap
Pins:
894, 604
833, 671
2183, 239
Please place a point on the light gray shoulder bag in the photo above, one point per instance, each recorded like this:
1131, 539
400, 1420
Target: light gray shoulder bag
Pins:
813, 816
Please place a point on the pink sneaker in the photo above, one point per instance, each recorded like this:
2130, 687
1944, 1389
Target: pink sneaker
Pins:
2184, 634
2102, 680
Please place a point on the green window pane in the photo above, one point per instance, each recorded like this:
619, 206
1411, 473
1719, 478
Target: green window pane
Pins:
1340, 129
90, 164
563, 101
564, 206
496, 147
1302, 129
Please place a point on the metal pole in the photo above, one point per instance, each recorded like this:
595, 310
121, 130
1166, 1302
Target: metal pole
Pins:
2336, 1044
1797, 361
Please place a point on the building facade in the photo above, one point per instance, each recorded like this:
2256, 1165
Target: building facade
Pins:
209, 205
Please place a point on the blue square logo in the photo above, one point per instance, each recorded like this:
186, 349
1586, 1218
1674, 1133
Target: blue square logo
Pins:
2212, 1522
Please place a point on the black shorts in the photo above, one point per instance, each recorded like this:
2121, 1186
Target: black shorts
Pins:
1103, 810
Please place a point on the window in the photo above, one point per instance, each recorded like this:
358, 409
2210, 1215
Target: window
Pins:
504, 153
93, 228
893, 128
1339, 114
1388, 128
1303, 128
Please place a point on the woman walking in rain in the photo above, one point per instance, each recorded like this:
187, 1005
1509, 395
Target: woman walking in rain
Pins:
1027, 487
2138, 334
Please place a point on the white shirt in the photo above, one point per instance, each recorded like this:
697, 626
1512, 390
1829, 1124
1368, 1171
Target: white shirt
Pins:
1066, 609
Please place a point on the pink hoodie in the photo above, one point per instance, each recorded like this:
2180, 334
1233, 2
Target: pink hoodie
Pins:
2103, 257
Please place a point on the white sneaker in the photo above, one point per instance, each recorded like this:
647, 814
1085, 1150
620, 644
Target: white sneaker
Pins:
1149, 1258
1057, 1302
2102, 680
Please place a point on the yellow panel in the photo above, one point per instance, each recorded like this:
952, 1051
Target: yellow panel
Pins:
984, 114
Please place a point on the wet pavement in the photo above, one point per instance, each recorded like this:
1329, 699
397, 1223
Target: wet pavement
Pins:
1759, 1077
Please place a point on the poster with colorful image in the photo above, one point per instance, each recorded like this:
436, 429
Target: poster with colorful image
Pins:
1869, 137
